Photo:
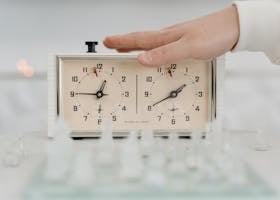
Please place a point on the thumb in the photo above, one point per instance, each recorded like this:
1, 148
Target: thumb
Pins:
166, 54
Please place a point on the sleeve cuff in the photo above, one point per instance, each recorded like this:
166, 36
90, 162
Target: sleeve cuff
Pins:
259, 25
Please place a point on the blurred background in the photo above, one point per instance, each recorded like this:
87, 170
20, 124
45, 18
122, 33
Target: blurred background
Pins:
31, 30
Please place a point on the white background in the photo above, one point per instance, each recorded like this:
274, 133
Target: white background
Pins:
33, 29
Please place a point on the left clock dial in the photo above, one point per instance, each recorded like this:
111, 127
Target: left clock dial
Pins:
97, 93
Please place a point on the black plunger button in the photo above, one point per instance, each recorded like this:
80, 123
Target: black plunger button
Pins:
91, 46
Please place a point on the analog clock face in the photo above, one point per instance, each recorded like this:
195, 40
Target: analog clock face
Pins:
130, 96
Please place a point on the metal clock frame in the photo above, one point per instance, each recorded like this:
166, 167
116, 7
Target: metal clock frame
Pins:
54, 87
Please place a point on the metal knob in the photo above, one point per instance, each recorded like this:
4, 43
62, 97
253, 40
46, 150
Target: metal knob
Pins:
91, 46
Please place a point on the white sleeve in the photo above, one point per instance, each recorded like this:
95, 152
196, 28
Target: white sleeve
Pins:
259, 23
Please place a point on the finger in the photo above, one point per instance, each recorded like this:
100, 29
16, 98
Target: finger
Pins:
165, 54
175, 26
141, 40
127, 50
124, 50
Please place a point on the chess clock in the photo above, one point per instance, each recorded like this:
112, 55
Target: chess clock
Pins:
91, 89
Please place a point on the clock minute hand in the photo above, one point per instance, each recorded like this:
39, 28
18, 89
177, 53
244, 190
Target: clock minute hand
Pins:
172, 94
162, 100
84, 93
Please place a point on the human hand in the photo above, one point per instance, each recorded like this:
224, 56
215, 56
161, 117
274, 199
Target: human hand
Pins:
202, 38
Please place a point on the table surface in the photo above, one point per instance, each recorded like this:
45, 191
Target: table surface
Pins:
14, 180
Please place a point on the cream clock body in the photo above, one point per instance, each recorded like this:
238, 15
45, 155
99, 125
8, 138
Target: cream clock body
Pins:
91, 89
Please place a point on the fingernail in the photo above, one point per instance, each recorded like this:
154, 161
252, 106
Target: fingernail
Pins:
145, 58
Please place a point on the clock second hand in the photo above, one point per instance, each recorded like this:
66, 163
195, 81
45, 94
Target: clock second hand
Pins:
172, 94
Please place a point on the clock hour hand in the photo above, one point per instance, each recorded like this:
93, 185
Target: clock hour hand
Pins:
172, 94
180, 88
99, 94
102, 86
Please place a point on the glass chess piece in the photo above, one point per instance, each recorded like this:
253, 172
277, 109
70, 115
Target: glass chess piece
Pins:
131, 163
15, 152
261, 141
176, 166
147, 142
59, 152
105, 151
82, 173
155, 173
